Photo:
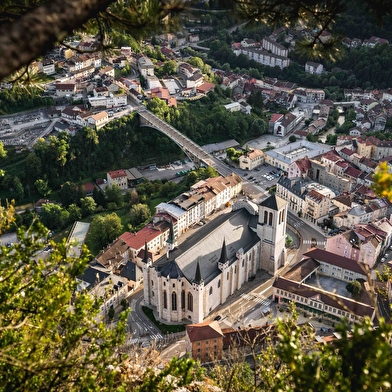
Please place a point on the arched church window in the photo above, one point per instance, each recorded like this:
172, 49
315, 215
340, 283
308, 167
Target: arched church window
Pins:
270, 219
174, 301
265, 217
190, 302
164, 299
183, 299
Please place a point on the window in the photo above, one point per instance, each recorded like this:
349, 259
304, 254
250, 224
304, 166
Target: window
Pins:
265, 217
183, 299
218, 283
164, 300
174, 285
190, 302
174, 301
152, 283
210, 290
270, 219
227, 276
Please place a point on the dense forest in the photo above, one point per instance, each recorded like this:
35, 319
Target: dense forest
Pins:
122, 144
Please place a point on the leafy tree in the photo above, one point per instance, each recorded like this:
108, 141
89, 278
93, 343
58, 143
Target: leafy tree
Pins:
114, 195
54, 216
88, 205
140, 213
354, 287
331, 139
42, 187
49, 339
75, 212
111, 313
69, 194
103, 230
3, 151
292, 139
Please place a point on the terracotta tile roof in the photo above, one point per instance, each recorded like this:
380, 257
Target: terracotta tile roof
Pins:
204, 331
138, 240
316, 196
329, 299
352, 172
117, 173
302, 270
334, 259
275, 117
332, 156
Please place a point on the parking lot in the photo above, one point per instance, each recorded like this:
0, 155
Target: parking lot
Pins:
259, 180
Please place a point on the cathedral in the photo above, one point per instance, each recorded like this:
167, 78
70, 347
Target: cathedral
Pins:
194, 277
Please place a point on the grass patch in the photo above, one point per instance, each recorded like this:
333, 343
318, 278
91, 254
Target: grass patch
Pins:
165, 328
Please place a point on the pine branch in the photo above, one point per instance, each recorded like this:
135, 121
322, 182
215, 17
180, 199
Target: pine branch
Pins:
36, 32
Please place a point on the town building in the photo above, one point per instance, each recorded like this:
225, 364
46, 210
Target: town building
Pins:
308, 284
195, 277
313, 68
251, 159
204, 341
145, 66
283, 157
306, 198
118, 178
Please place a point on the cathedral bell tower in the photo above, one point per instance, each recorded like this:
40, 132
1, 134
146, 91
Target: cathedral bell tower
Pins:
271, 228
147, 263
171, 241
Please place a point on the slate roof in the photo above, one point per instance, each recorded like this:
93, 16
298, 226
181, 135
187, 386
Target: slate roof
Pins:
274, 203
92, 276
206, 244
129, 271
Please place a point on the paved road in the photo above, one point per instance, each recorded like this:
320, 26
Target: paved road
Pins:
140, 327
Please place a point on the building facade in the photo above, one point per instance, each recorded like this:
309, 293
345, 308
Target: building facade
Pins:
192, 279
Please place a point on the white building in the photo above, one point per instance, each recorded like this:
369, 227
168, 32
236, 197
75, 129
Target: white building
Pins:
314, 68
145, 66
190, 281
110, 101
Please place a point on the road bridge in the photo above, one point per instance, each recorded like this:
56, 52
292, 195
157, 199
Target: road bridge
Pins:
191, 149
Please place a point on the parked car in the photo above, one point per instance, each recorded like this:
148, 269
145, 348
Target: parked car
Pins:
383, 260
217, 318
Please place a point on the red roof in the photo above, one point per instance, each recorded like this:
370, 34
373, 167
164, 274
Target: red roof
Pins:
204, 331
138, 240
205, 88
334, 259
88, 187
117, 173
275, 117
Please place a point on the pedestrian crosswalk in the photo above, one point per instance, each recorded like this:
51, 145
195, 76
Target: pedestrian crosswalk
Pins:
315, 243
258, 298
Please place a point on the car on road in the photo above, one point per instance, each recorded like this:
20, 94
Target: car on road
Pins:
245, 174
217, 318
383, 260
